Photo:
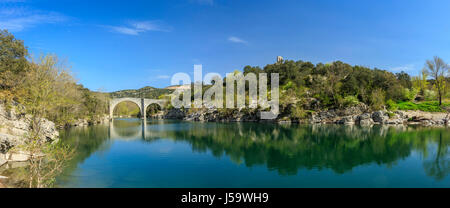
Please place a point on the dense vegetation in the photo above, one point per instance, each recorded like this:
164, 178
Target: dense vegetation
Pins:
45, 85
145, 92
127, 109
308, 87
47, 89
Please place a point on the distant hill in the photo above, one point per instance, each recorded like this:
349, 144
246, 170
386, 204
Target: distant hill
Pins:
146, 92
174, 87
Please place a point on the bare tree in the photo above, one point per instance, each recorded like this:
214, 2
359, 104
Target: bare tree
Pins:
437, 69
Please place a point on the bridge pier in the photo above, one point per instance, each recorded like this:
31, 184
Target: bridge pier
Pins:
143, 109
111, 109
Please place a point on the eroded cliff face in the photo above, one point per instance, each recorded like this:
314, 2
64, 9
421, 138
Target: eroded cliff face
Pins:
15, 127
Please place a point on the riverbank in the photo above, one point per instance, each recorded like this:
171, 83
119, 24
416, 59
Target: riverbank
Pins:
15, 128
359, 115
15, 125
86, 122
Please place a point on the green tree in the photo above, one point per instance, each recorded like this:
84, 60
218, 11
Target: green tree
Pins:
404, 79
13, 63
377, 99
420, 82
437, 69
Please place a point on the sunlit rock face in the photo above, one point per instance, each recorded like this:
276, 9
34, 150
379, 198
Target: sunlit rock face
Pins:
2, 159
15, 127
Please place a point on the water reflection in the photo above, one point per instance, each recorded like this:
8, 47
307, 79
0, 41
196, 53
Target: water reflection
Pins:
438, 165
286, 149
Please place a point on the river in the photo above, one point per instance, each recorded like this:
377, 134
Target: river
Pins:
131, 153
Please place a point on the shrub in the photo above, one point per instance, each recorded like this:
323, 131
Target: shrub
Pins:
377, 99
396, 93
169, 106
430, 95
409, 95
390, 114
297, 112
391, 105
351, 101
324, 99
288, 86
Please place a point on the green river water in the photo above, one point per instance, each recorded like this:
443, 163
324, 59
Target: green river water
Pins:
131, 153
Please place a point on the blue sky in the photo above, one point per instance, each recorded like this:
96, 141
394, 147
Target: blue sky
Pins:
113, 45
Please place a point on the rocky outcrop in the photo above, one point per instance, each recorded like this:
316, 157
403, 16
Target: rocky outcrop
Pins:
383, 117
340, 116
347, 120
379, 116
359, 114
15, 127
226, 115
211, 114
174, 113
426, 118
364, 119
81, 122
100, 119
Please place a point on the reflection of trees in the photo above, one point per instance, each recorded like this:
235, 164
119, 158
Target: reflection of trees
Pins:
285, 148
438, 166
289, 148
86, 141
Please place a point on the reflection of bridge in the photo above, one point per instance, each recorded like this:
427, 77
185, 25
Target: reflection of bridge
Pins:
138, 134
142, 103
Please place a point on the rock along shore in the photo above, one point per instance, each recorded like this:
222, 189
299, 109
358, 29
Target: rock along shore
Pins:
15, 126
360, 115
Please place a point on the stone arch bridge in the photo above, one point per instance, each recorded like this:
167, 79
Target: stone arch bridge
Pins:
142, 103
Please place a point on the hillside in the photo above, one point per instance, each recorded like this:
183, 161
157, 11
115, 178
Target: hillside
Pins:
146, 92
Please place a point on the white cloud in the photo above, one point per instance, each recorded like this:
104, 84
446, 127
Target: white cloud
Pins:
236, 40
125, 30
20, 18
151, 26
138, 27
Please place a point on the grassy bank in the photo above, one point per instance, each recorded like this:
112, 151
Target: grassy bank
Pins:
427, 106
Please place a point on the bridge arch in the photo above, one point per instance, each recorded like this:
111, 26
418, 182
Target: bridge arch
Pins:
142, 103
153, 109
